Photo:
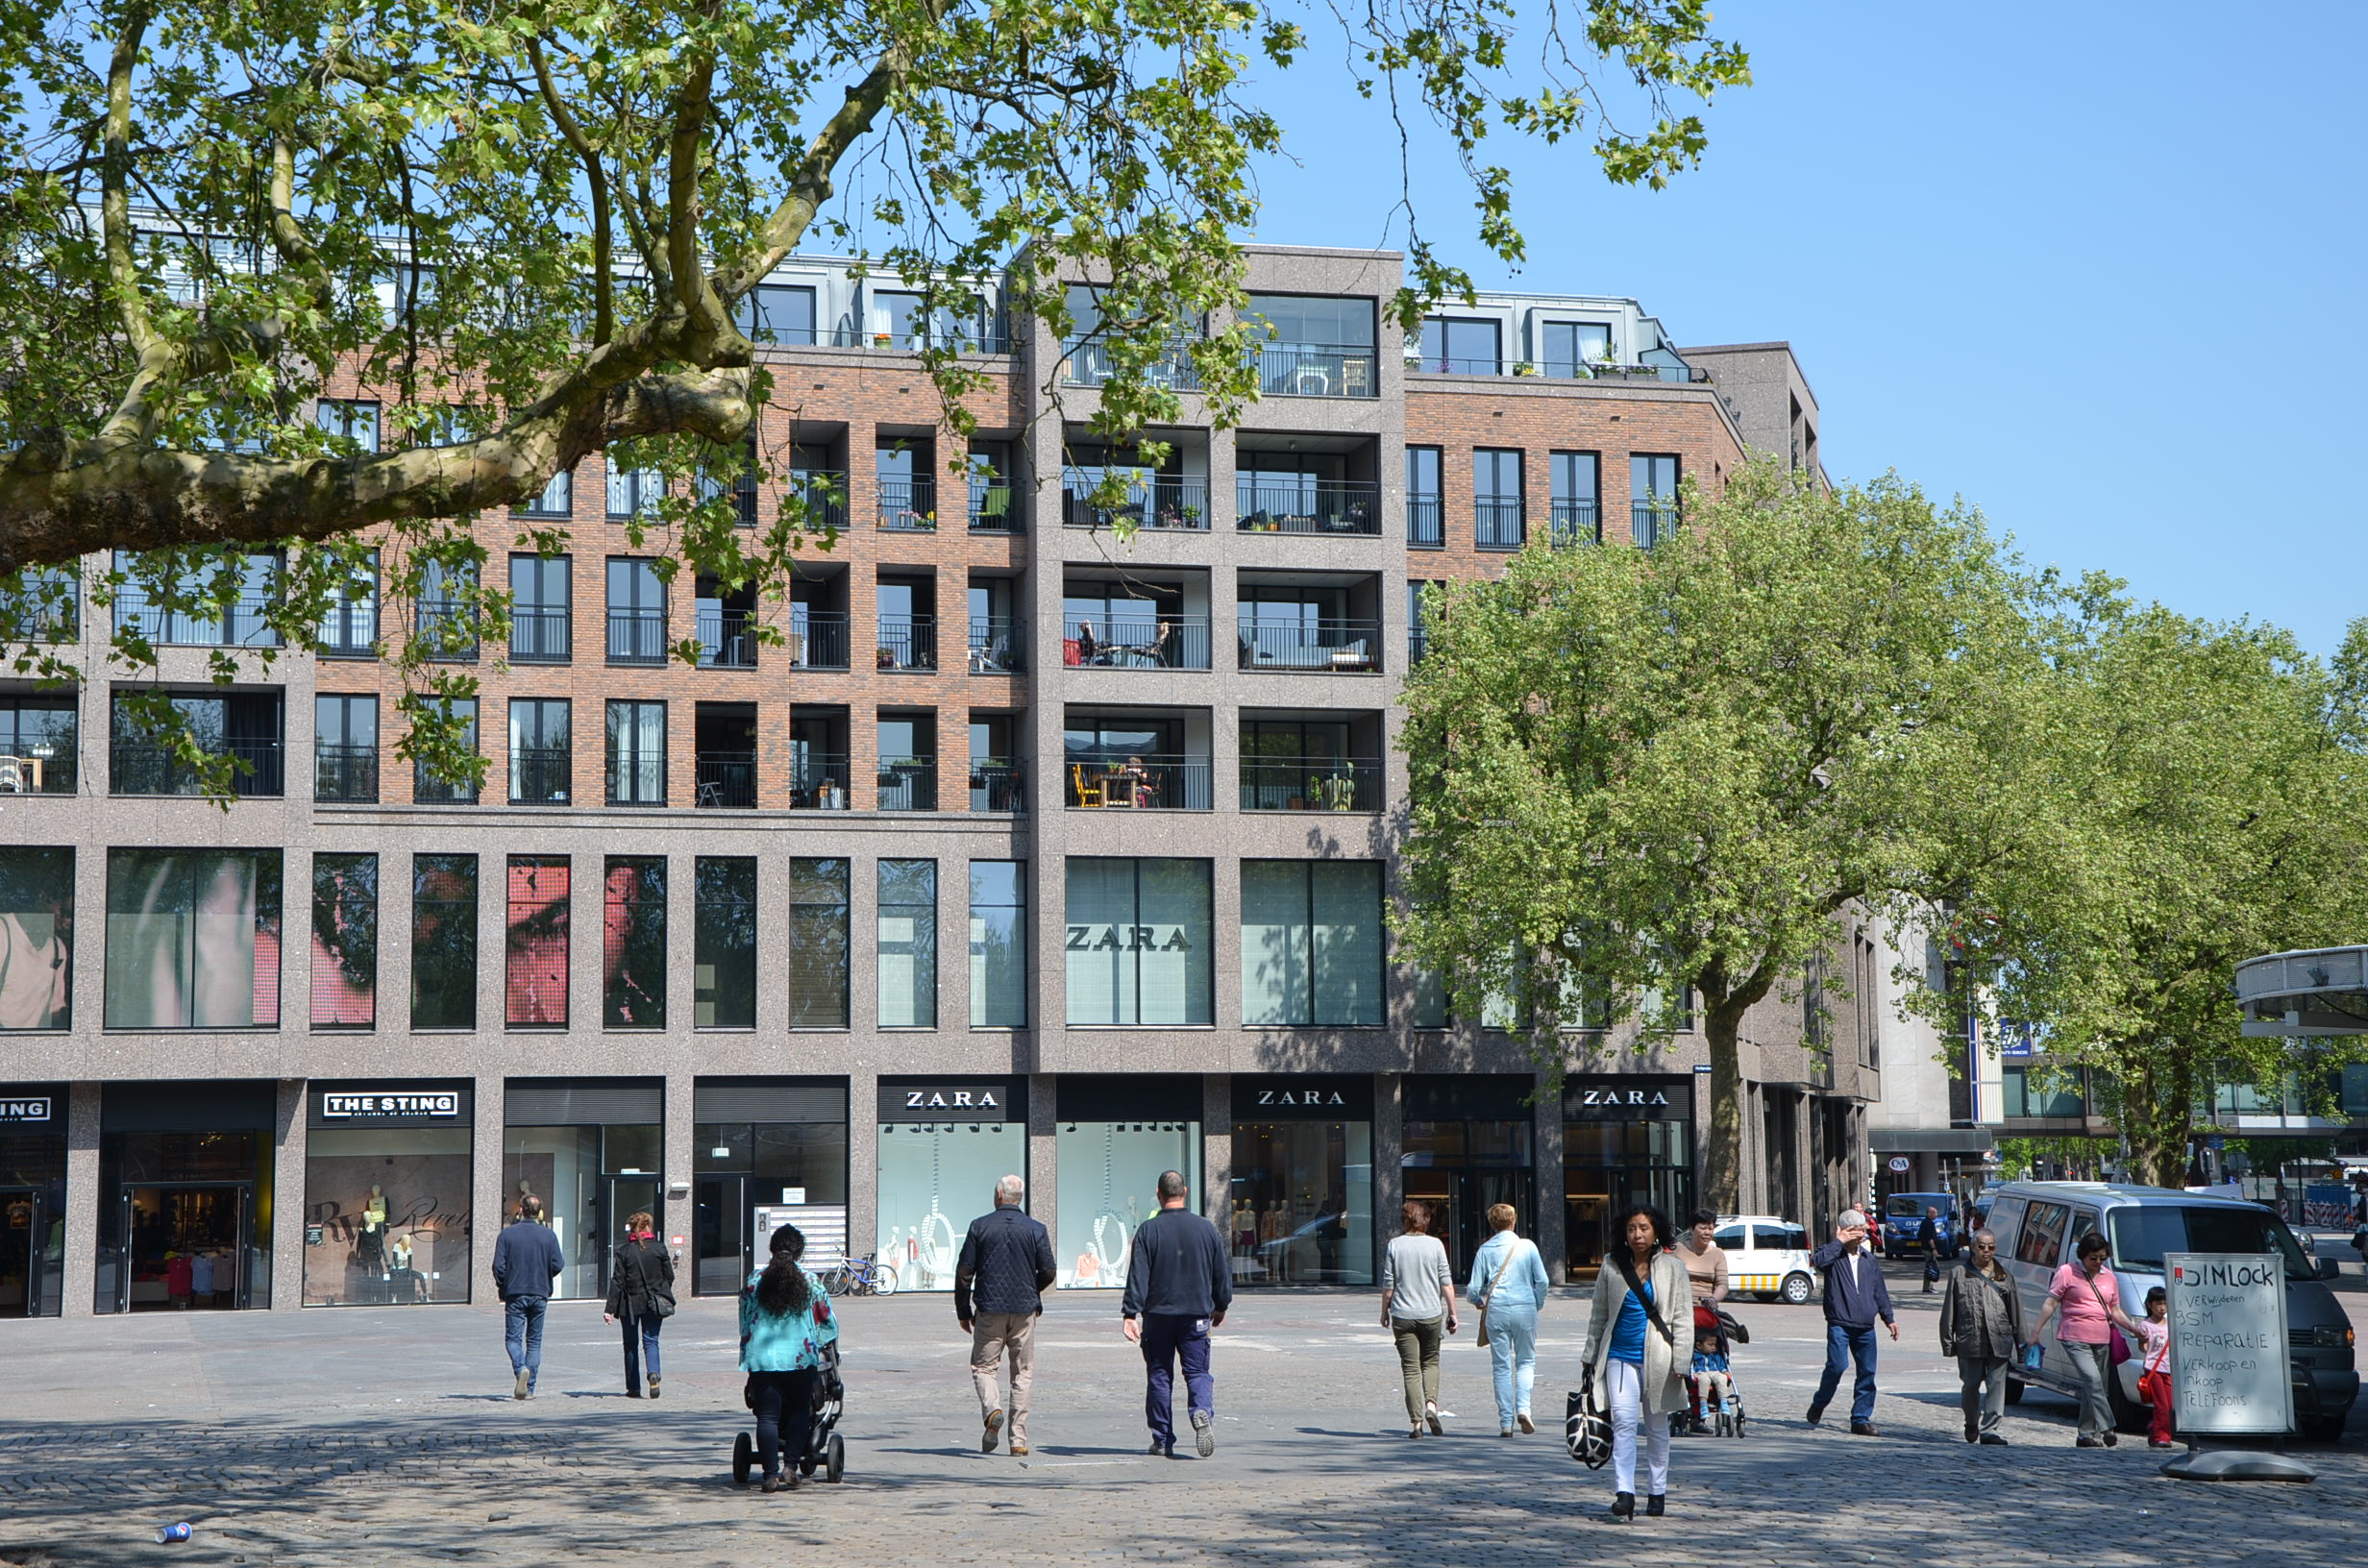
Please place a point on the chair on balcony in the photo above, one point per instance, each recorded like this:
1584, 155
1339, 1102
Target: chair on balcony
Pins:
21, 776
1088, 795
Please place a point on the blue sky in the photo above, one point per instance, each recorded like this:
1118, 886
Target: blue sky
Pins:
2098, 268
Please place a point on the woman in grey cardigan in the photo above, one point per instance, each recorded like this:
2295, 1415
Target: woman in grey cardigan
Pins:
1418, 1300
1633, 1359
1981, 1326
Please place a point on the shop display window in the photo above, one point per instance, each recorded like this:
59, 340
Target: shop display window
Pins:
345, 941
724, 942
818, 915
1302, 1203
1608, 1166
1108, 1176
386, 1215
184, 1222
1139, 942
192, 938
33, 1223
934, 1179
998, 945
906, 961
1311, 942
633, 943
443, 941
36, 938
534, 961
589, 1179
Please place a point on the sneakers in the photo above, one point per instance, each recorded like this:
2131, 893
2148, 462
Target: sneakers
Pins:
654, 1386
1204, 1434
1430, 1417
2087, 1442
1504, 1431
2113, 1439
785, 1482
1414, 1431
522, 1389
1993, 1439
1656, 1506
994, 1435
1528, 1425
1160, 1450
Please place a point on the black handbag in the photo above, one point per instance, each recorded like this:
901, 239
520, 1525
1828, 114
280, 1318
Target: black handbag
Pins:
1732, 1326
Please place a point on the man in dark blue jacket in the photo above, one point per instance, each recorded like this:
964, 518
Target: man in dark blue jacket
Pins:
1855, 1296
526, 1260
1178, 1285
999, 1284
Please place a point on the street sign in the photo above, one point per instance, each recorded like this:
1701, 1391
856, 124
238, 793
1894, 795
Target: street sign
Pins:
2216, 1144
2229, 1367
1900, 1165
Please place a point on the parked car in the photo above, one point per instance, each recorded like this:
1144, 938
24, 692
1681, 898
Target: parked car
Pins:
2039, 1226
1903, 1213
1768, 1257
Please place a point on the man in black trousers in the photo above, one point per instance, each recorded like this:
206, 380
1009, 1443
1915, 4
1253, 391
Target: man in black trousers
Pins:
1178, 1285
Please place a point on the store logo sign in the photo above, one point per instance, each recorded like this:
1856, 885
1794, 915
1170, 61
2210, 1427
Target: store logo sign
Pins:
362, 1107
1302, 1096
959, 1099
1128, 939
1610, 1098
34, 1109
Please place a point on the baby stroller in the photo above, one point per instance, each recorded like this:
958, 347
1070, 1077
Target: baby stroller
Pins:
1723, 1416
824, 1446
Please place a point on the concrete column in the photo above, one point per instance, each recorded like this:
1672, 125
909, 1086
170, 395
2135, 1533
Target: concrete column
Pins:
288, 1197
678, 1159
862, 1161
1215, 1146
1547, 1224
489, 1202
1044, 1198
82, 1198
1389, 1156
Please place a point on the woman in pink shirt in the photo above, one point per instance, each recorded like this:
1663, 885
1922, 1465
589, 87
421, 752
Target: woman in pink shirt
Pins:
2090, 1298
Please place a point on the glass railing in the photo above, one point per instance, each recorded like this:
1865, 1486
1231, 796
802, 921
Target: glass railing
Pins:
1155, 504
345, 774
1140, 783
1499, 525
995, 648
1425, 521
1652, 522
907, 784
1122, 641
996, 786
541, 776
1317, 370
149, 768
817, 640
908, 505
726, 639
728, 780
1310, 784
637, 636
1576, 523
1265, 504
540, 636
906, 642
817, 782
1294, 643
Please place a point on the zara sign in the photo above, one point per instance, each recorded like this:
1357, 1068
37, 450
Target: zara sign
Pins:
1629, 1097
1314, 1096
953, 1099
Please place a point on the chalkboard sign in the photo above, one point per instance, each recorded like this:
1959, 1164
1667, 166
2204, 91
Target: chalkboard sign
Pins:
2230, 1369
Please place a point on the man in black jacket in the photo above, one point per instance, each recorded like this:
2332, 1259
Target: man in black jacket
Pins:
998, 1285
1178, 1285
1855, 1296
526, 1260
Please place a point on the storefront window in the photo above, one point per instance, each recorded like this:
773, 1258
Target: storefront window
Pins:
1301, 1209
905, 963
1108, 1173
1468, 1146
1139, 940
32, 1200
36, 938
817, 944
589, 1179
534, 985
998, 945
345, 941
943, 1145
443, 941
189, 1226
1626, 1139
1311, 942
633, 943
387, 1197
724, 942
192, 938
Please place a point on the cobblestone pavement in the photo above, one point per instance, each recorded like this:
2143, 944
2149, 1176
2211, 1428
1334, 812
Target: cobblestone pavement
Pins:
387, 1435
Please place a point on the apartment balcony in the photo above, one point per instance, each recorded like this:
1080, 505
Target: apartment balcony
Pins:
1140, 783
818, 640
1158, 504
345, 775
1499, 525
994, 508
1419, 364
726, 639
446, 629
905, 642
1576, 523
242, 627
996, 646
907, 784
726, 781
1171, 642
46, 769
541, 776
258, 769
1088, 363
1310, 784
1427, 521
824, 491
637, 637
817, 782
1652, 523
1317, 370
1269, 504
1310, 647
998, 786
541, 634
907, 506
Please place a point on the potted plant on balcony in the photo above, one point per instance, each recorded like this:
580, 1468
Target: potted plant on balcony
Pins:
1522, 367
880, 341
1337, 792
887, 658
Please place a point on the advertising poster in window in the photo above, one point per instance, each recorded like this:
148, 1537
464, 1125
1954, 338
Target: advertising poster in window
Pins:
192, 938
36, 938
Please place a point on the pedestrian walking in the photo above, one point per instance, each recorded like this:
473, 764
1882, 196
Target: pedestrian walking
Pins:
1508, 1287
1633, 1359
1981, 1326
526, 1260
2153, 1379
785, 1320
1855, 1298
999, 1279
2088, 1297
1178, 1285
641, 1295
1705, 1273
1928, 1242
1417, 1301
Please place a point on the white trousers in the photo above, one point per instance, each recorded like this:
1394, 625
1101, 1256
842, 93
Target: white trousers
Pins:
1628, 1413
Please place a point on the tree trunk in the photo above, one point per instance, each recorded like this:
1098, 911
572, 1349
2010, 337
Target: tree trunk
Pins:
1722, 1158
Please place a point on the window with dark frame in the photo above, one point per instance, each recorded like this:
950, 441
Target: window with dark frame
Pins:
345, 749
724, 942
1498, 520
193, 939
350, 626
905, 960
37, 911
542, 609
633, 942
1425, 504
1577, 479
999, 944
345, 941
535, 944
818, 938
541, 751
443, 941
636, 753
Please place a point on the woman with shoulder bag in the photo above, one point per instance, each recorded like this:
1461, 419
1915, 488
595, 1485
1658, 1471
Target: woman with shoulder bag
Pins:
2089, 1297
1981, 1326
1631, 1358
1508, 1286
641, 1294
1417, 1299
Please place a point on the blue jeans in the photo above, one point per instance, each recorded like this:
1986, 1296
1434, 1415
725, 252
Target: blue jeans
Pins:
522, 1328
1168, 1338
640, 1333
1845, 1343
1513, 1354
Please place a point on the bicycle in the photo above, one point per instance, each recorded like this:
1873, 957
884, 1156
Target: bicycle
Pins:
863, 1276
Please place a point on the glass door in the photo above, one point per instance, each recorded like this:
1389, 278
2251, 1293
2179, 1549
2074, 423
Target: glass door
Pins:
720, 1235
22, 1225
187, 1246
621, 1197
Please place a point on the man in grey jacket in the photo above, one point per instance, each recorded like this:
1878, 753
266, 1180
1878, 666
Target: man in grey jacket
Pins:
1981, 1326
1178, 1285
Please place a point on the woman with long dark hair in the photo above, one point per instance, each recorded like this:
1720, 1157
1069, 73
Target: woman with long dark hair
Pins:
1632, 1351
785, 1320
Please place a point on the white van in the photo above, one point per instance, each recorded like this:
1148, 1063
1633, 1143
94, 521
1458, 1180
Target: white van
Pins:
1767, 1258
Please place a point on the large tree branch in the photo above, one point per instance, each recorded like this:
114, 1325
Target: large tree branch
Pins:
596, 177
157, 358
704, 311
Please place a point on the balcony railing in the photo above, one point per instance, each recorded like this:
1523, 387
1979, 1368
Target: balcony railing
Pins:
1155, 504
997, 786
1426, 523
46, 768
817, 640
1123, 641
1652, 522
1295, 645
960, 339
1089, 365
908, 505
431, 791
447, 628
824, 491
1310, 784
726, 639
1499, 525
728, 780
1263, 504
1418, 644
995, 648
908, 784
637, 636
1142, 783
541, 634
1596, 370
636, 779
345, 774
541, 776
1317, 370
245, 627
994, 508
1576, 523
906, 642
150, 767
817, 782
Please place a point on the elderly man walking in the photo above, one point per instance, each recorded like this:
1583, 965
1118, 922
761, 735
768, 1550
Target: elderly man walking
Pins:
1855, 1296
998, 1285
1178, 1286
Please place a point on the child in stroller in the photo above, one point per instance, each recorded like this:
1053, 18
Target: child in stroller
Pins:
1712, 1409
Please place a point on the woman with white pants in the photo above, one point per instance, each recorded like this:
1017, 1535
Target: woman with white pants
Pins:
1631, 1356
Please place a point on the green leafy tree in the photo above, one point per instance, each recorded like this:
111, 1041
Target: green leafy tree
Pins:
1640, 772
530, 229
